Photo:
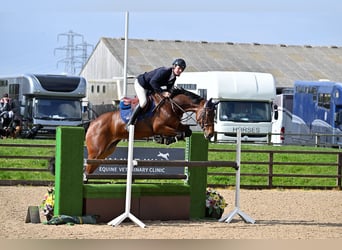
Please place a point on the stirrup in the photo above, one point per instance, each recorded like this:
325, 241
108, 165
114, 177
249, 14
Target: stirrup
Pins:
134, 117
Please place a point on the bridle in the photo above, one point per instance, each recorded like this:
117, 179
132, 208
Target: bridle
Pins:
204, 116
203, 120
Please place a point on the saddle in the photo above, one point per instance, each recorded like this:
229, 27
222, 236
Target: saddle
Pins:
128, 104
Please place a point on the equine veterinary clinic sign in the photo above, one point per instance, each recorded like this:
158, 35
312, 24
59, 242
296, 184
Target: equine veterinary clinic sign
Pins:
141, 153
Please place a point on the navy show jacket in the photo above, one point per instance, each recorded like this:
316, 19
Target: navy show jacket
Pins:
155, 79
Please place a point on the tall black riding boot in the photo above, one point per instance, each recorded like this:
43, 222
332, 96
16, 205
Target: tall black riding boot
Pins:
134, 116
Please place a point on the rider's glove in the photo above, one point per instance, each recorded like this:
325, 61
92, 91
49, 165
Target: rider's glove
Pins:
166, 94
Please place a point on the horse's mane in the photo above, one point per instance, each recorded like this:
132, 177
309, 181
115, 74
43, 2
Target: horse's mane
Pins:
178, 91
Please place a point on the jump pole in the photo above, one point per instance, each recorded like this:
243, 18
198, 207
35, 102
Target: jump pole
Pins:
130, 162
237, 209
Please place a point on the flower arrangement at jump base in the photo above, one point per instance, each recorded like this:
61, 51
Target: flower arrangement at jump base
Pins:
48, 203
215, 204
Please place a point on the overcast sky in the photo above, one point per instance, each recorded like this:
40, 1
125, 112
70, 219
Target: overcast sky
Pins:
29, 29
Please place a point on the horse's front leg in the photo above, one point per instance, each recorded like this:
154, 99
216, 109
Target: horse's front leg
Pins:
165, 130
170, 134
182, 132
185, 130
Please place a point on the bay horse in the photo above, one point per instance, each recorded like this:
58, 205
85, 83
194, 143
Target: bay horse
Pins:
107, 130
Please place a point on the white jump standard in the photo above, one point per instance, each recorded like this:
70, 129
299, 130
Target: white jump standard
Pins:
237, 210
130, 163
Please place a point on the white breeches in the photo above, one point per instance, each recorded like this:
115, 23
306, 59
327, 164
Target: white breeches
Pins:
141, 93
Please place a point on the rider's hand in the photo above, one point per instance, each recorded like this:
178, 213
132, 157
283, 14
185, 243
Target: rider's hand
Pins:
166, 94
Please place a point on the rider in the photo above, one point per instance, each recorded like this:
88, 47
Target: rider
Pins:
153, 81
9, 108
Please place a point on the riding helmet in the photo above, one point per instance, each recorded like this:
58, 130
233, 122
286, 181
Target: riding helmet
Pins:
179, 62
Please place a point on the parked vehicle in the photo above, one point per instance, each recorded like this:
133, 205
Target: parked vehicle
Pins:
317, 110
47, 101
245, 101
282, 128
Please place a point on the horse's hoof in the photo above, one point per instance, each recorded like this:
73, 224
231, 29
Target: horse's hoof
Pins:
158, 139
170, 140
188, 133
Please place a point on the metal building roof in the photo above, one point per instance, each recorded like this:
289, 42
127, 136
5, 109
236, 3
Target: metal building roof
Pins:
287, 63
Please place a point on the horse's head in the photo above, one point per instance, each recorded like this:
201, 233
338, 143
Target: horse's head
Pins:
206, 118
185, 101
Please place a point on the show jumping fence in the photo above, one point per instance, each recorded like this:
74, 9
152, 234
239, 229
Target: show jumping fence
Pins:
72, 196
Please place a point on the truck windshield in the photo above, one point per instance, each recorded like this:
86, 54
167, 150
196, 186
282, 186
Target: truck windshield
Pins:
62, 109
237, 111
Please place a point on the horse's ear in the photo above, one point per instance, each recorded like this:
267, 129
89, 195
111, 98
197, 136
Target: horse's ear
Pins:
211, 103
208, 103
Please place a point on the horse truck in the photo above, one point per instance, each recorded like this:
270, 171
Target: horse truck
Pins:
283, 129
47, 101
245, 102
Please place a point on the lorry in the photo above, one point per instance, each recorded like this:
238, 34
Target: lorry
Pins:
317, 113
47, 101
282, 128
245, 102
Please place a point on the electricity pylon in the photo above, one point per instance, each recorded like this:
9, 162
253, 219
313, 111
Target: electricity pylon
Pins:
76, 54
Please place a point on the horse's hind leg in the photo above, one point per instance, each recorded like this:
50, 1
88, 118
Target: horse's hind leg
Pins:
99, 153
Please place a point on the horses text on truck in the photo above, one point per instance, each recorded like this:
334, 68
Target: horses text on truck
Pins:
47, 101
245, 101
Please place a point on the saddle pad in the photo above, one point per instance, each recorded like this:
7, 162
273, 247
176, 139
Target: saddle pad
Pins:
126, 111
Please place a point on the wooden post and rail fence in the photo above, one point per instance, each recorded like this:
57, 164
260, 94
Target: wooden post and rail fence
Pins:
335, 167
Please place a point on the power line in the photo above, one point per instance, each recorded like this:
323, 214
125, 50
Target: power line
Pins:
76, 51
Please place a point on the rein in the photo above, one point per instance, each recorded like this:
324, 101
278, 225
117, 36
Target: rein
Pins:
160, 103
173, 104
202, 121
203, 124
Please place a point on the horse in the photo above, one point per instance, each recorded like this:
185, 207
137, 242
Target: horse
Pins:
108, 129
